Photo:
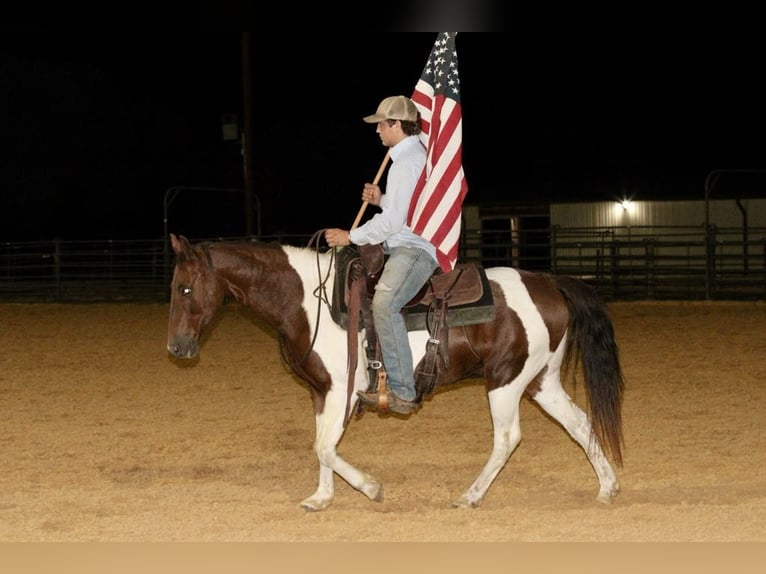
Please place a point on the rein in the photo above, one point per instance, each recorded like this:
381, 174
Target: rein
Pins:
321, 290
321, 294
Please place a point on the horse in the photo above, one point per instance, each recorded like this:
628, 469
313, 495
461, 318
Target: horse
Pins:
543, 325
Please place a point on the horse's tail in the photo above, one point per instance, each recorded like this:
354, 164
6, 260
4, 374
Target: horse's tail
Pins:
591, 340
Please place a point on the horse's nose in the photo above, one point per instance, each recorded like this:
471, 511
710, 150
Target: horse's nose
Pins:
174, 349
183, 349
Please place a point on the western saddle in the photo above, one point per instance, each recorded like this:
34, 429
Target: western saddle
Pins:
456, 298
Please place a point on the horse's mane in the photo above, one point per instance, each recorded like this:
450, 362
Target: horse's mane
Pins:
240, 243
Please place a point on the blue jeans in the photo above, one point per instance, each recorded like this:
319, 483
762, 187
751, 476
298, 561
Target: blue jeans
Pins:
406, 271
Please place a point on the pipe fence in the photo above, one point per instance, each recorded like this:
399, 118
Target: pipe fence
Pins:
623, 263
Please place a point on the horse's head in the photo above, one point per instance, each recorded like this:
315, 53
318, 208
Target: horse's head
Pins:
196, 295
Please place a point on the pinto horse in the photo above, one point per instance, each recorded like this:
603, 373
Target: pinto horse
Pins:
541, 322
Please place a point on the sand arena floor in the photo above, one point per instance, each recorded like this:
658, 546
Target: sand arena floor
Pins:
104, 438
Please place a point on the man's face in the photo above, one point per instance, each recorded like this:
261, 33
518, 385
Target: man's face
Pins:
390, 132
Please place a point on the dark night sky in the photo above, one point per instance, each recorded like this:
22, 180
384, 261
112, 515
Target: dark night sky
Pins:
96, 127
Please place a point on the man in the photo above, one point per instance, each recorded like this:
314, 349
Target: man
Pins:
411, 258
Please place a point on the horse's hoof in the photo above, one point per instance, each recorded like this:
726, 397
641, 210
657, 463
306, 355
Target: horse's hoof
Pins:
463, 502
374, 492
314, 505
606, 496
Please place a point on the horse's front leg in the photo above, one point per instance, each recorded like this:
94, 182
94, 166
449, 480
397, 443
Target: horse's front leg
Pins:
325, 492
329, 427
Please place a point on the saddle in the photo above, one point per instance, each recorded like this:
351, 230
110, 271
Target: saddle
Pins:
465, 290
460, 297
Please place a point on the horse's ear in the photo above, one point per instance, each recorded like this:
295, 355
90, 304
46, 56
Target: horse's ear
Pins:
181, 246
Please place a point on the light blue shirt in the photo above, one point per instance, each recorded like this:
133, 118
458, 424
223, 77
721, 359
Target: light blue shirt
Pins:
389, 227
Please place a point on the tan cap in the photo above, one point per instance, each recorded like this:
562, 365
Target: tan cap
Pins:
394, 108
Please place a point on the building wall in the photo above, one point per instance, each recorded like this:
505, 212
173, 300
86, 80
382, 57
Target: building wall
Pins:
723, 213
659, 234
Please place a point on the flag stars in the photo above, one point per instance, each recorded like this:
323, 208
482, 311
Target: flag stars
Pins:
441, 67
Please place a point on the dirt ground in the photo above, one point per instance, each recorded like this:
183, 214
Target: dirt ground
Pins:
104, 438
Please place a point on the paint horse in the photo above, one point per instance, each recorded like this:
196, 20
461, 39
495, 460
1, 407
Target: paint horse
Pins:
542, 324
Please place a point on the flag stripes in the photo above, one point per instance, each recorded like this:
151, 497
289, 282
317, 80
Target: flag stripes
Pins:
436, 207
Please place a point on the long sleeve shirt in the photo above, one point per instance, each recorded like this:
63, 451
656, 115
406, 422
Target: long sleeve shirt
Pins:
389, 226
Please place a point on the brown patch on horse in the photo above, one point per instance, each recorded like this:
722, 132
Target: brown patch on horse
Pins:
271, 272
261, 278
553, 309
550, 303
534, 385
474, 350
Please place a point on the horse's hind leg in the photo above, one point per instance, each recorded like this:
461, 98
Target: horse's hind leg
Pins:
557, 403
504, 407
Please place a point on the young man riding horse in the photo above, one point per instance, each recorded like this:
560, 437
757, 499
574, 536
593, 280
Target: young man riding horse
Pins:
411, 258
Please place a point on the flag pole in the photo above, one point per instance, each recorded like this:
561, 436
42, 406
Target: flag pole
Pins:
374, 182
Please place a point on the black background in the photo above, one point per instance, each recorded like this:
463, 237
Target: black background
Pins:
97, 126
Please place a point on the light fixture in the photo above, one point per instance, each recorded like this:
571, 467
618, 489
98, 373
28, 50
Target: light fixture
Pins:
623, 207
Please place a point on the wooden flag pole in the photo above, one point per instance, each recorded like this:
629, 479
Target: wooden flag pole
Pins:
381, 169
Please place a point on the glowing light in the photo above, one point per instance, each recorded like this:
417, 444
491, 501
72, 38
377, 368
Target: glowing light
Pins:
624, 206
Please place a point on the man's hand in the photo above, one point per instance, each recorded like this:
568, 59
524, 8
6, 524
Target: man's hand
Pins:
371, 194
337, 237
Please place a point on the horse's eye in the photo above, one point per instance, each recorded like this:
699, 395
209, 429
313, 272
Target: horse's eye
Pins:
184, 290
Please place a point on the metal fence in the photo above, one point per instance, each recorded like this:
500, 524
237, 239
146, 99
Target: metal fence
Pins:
91, 271
665, 262
685, 263
82, 271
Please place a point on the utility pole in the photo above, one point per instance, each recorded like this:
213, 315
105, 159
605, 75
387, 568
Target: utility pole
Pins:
247, 135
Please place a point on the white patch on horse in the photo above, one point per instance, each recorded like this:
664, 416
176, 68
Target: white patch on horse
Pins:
517, 298
331, 344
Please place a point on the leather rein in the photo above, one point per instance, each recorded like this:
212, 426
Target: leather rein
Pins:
321, 290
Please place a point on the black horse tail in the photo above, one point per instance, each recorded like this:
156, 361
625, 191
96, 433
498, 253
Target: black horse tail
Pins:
591, 340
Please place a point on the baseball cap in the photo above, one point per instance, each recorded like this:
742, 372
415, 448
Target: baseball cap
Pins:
394, 108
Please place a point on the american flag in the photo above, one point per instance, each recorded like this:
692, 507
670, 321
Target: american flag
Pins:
435, 209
